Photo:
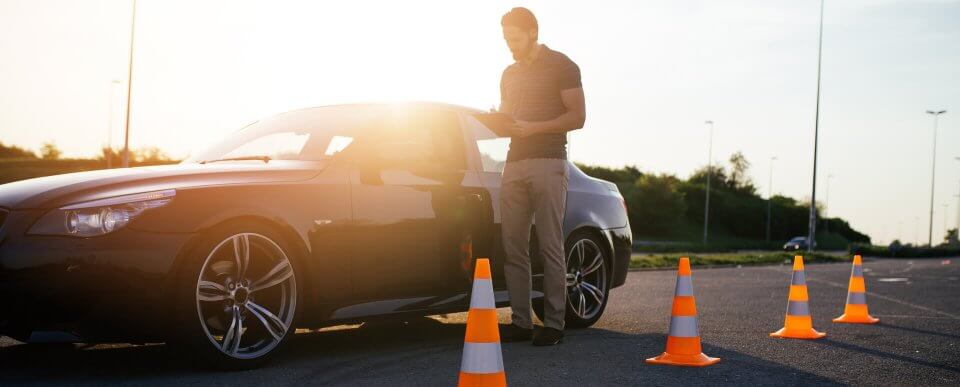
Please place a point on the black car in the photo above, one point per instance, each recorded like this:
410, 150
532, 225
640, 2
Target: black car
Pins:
310, 218
797, 244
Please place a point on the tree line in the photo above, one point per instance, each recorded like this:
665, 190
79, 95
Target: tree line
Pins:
664, 206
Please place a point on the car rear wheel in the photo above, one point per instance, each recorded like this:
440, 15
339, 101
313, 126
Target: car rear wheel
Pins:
238, 297
588, 281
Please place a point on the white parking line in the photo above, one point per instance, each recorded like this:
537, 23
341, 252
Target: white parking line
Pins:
891, 299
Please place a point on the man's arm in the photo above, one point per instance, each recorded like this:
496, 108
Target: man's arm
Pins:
573, 119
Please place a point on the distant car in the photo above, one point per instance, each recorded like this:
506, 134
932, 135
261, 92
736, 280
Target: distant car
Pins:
309, 218
797, 244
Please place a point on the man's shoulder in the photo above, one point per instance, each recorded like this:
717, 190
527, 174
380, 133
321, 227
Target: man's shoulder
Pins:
557, 57
510, 68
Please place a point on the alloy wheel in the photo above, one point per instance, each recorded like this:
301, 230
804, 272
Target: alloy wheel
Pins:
586, 279
246, 295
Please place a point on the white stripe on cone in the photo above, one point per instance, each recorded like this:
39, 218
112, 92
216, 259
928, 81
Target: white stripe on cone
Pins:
481, 358
482, 297
683, 326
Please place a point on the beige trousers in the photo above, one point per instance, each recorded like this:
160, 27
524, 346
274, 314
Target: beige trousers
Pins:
534, 189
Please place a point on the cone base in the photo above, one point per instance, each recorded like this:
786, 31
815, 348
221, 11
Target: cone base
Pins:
798, 333
699, 360
868, 319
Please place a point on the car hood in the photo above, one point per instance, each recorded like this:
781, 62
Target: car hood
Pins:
57, 190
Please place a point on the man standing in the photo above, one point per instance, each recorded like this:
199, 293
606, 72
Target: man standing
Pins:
543, 94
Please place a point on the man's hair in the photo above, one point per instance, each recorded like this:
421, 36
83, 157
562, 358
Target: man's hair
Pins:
520, 17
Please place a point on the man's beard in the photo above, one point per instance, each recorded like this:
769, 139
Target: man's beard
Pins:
520, 52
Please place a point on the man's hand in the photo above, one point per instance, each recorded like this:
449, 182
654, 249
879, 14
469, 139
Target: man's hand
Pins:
523, 129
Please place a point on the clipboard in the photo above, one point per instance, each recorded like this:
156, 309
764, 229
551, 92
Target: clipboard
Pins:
499, 123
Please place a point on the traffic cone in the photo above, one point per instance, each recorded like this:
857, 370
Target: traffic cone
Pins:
798, 324
683, 341
856, 309
482, 362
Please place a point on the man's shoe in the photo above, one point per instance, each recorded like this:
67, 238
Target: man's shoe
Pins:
548, 336
513, 333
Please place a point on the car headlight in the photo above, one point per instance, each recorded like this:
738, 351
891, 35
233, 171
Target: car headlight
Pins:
99, 217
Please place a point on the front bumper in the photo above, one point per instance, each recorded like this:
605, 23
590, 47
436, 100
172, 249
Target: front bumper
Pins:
107, 287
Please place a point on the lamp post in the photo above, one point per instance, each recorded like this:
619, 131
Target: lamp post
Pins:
126, 129
933, 171
706, 206
770, 195
812, 233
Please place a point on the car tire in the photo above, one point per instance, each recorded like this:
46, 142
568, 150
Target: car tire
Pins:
212, 308
576, 280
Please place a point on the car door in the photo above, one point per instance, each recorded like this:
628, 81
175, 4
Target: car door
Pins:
489, 156
413, 198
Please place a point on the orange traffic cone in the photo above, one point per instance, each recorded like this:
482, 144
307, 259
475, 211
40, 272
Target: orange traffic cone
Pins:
482, 362
683, 341
856, 309
798, 324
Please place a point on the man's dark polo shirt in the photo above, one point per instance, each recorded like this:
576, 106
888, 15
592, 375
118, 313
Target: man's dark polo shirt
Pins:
532, 93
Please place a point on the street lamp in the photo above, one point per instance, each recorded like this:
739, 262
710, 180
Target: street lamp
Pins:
770, 195
811, 236
933, 171
126, 130
706, 207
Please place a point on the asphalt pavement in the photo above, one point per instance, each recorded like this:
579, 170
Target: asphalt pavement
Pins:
916, 342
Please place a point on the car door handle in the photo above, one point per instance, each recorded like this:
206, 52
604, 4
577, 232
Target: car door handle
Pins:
472, 197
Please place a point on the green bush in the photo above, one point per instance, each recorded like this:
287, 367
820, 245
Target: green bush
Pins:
903, 251
659, 219
671, 260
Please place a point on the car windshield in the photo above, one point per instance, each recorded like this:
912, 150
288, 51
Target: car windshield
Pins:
315, 134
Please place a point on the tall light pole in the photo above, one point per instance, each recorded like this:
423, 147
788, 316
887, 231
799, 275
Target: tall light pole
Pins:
933, 171
811, 236
706, 206
770, 195
126, 130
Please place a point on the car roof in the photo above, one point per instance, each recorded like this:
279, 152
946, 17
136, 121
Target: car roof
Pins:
415, 104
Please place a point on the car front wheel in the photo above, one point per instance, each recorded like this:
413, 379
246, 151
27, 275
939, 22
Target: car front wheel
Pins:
238, 297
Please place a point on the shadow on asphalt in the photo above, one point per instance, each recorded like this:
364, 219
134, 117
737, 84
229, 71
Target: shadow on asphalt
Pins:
915, 330
888, 355
419, 351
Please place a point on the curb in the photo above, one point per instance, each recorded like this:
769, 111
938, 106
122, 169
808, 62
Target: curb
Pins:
726, 265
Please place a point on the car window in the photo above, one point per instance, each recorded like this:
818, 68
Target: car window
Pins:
315, 134
422, 136
285, 145
493, 149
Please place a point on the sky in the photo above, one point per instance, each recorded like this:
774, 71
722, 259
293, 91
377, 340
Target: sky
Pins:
653, 72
